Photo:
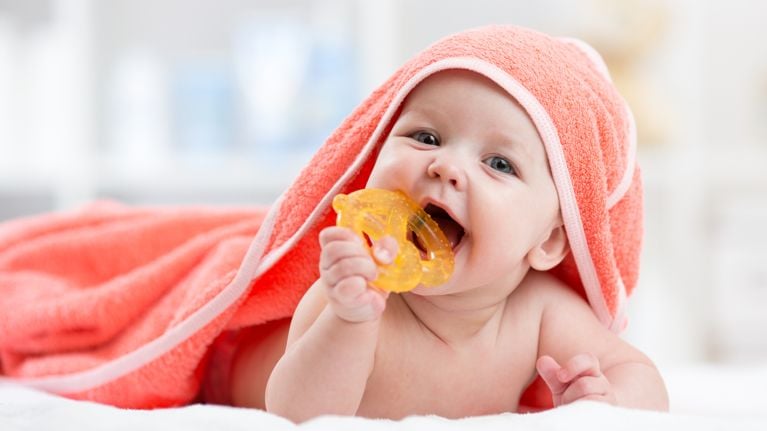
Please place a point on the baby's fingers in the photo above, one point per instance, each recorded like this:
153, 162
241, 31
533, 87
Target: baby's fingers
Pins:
588, 388
548, 369
584, 364
335, 251
368, 305
385, 250
348, 291
337, 233
362, 266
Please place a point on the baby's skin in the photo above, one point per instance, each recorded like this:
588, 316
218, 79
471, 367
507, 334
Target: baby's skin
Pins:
464, 148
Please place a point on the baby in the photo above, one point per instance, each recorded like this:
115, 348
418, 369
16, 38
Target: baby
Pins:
484, 164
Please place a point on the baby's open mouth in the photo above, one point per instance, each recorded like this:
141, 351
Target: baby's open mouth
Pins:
453, 230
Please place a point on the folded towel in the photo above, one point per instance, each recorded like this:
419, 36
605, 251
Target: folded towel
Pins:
82, 289
120, 305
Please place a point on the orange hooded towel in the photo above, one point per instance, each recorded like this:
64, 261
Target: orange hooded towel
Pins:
121, 305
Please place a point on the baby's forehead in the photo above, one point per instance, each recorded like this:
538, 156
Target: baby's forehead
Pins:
455, 80
478, 95
435, 91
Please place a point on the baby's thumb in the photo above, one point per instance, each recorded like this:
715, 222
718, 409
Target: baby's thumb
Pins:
385, 249
548, 367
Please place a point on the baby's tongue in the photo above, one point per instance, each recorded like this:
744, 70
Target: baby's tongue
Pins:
450, 228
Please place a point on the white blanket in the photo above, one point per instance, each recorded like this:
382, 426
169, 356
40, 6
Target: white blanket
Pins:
703, 398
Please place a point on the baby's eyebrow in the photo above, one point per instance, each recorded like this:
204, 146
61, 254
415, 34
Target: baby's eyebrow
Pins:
421, 113
407, 114
517, 144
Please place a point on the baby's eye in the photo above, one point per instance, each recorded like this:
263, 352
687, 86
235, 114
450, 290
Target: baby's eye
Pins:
500, 164
425, 138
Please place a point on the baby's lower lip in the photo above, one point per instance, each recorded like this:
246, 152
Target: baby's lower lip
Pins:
425, 255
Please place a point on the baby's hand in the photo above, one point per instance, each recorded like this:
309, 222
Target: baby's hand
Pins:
580, 379
346, 268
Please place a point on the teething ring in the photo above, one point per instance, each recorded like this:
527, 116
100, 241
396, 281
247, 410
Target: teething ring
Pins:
374, 213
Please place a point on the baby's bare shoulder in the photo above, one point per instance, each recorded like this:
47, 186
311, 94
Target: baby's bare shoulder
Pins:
541, 290
555, 300
568, 326
544, 306
532, 301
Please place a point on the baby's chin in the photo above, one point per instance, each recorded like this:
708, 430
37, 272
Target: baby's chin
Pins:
422, 290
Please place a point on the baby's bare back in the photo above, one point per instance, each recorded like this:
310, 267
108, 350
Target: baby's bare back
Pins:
416, 372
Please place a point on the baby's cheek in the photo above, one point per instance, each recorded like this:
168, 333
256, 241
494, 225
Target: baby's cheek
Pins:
385, 166
501, 247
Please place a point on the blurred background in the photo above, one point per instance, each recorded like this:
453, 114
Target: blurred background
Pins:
223, 101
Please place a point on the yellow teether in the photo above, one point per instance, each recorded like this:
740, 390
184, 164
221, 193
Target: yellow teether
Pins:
377, 213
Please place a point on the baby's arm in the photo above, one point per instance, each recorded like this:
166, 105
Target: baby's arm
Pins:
333, 335
580, 359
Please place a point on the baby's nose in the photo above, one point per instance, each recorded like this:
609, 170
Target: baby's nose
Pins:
448, 171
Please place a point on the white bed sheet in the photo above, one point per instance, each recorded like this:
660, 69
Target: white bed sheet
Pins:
702, 398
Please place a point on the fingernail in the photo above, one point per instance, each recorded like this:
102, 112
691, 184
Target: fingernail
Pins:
383, 255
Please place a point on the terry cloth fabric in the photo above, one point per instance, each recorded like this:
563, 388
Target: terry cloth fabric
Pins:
57, 274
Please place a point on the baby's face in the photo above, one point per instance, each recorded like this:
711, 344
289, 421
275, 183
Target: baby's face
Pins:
467, 151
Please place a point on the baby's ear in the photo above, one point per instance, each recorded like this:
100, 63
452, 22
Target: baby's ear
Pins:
550, 251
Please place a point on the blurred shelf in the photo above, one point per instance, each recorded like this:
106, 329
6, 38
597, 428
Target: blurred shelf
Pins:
68, 116
664, 166
219, 172
19, 203
214, 178
738, 165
